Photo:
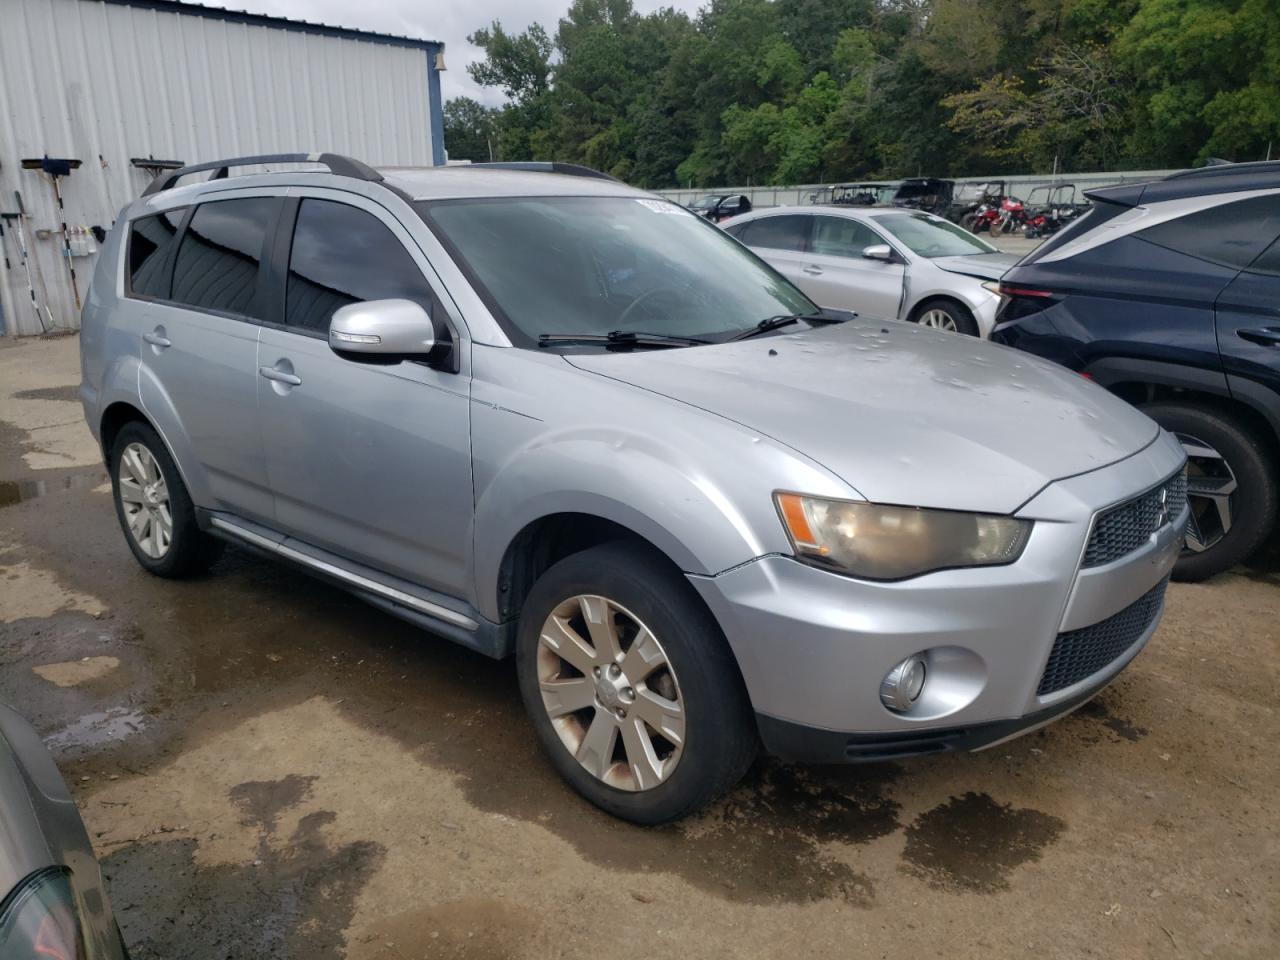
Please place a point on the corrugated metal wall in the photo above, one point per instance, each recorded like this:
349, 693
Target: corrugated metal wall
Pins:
104, 82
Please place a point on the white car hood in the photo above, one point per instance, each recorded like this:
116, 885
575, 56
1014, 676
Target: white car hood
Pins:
904, 414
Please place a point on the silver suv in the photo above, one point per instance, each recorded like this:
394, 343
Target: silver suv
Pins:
540, 413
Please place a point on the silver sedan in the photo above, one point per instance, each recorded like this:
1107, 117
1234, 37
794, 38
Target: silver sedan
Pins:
882, 263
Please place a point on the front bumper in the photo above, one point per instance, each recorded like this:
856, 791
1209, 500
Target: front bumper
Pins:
813, 646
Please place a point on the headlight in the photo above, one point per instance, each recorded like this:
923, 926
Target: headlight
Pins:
41, 921
891, 543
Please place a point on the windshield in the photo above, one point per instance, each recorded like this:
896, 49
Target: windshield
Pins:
597, 265
931, 237
706, 203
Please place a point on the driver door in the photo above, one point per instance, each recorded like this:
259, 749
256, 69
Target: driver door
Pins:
371, 461
838, 275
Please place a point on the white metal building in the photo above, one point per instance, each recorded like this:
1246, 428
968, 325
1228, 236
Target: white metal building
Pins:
111, 83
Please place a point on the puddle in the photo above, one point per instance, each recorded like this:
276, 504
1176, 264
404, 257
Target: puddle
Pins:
94, 729
16, 491
972, 843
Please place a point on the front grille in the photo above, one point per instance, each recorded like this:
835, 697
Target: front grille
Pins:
1124, 528
1081, 653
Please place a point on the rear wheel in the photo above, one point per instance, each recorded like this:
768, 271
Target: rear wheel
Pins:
945, 315
1231, 487
154, 508
630, 685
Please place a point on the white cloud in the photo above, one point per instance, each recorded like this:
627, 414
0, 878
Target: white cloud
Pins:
449, 22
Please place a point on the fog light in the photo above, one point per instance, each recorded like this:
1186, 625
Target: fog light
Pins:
901, 686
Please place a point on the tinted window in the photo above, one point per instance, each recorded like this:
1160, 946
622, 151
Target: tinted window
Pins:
841, 237
150, 242
217, 266
1269, 262
777, 233
1230, 234
342, 255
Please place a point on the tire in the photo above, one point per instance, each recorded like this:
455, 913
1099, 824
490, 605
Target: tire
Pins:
188, 550
967, 221
1246, 460
717, 739
958, 316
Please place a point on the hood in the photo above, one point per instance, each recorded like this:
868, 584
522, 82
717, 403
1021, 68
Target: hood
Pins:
987, 266
903, 414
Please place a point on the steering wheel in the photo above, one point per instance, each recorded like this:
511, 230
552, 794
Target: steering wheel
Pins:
643, 299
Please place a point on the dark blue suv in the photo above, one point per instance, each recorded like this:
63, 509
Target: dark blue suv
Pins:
1168, 294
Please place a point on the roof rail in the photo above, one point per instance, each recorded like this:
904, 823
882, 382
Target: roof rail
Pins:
338, 165
1225, 168
547, 166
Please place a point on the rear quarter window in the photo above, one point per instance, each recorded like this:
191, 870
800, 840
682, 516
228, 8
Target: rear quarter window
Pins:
1230, 234
149, 250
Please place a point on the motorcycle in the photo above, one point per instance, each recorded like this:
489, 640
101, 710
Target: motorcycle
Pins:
982, 217
1011, 215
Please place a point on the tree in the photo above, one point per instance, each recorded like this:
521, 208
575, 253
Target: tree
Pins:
1207, 74
470, 130
785, 90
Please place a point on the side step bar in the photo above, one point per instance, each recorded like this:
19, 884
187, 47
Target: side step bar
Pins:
487, 638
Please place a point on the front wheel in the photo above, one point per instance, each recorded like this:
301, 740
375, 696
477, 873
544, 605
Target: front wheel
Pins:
631, 686
945, 315
1231, 487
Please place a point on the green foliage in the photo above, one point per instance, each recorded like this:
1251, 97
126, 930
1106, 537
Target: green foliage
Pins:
787, 91
470, 130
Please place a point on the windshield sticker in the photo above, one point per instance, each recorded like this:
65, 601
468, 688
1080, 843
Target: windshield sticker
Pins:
663, 206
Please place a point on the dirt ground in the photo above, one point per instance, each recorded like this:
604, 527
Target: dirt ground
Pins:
272, 769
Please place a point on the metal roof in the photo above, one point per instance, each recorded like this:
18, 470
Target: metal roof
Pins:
283, 23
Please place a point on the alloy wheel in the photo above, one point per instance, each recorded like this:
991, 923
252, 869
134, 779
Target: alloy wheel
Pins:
1211, 488
939, 319
145, 499
611, 693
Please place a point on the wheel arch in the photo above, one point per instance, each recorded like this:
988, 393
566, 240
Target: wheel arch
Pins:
549, 538
113, 420
1146, 381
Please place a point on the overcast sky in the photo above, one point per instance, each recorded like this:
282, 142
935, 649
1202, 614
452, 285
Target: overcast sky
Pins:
447, 20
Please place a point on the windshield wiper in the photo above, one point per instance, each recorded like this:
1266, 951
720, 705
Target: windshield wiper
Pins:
620, 338
782, 320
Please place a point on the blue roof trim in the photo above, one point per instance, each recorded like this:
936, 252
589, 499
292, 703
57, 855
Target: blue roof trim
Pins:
281, 23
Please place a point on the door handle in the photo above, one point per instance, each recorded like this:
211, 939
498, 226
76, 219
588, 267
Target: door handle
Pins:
157, 339
279, 376
1264, 336
812, 270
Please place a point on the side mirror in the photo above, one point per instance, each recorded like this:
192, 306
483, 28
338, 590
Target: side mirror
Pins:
387, 329
878, 251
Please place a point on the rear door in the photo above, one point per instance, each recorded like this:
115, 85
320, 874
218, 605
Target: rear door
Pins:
782, 240
199, 337
837, 274
367, 460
